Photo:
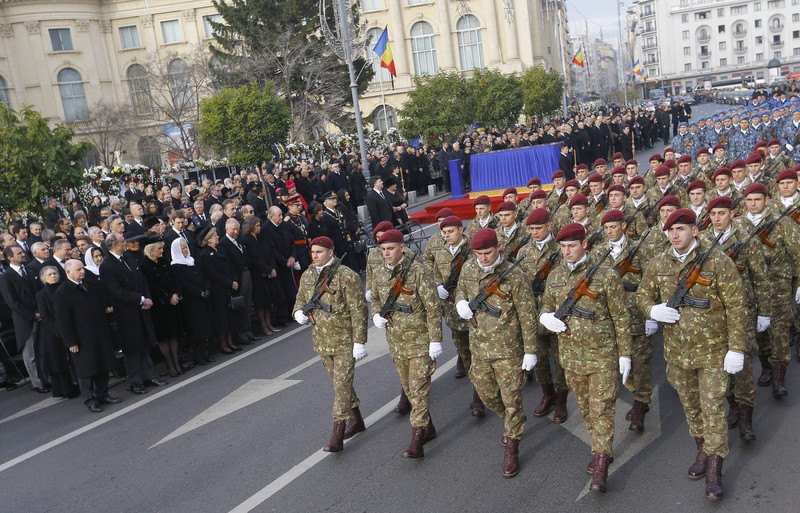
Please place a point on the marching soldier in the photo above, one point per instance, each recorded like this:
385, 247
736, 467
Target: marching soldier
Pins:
697, 200
556, 195
511, 238
582, 176
703, 168
339, 336
503, 346
742, 140
596, 345
436, 241
598, 200
298, 225
639, 200
657, 241
413, 330
720, 157
704, 341
722, 182
740, 180
524, 208
616, 201
483, 216
540, 257
776, 160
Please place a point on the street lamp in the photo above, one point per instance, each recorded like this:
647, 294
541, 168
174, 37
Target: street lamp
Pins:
619, 50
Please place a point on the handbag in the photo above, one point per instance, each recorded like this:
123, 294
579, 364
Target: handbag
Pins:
236, 303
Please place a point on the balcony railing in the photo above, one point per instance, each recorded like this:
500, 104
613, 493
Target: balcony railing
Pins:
703, 39
649, 47
776, 44
740, 50
776, 28
740, 33
703, 55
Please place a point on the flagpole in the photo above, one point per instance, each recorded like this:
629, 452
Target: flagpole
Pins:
385, 115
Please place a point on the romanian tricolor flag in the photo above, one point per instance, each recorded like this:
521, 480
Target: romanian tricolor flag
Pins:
384, 50
579, 58
637, 68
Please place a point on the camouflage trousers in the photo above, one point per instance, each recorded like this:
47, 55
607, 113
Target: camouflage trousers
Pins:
499, 385
777, 345
597, 399
461, 341
702, 394
742, 384
640, 382
546, 347
341, 368
415, 378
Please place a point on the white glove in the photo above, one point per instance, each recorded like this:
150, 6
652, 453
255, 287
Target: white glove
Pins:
624, 368
734, 362
435, 350
549, 321
650, 327
463, 309
296, 266
529, 361
379, 321
797, 296
664, 313
300, 317
368, 296
359, 351
762, 323
443, 294
789, 147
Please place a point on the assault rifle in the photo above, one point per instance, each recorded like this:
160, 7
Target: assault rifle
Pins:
626, 265
593, 238
707, 217
691, 278
322, 286
570, 307
764, 230
492, 288
398, 287
455, 270
538, 281
512, 254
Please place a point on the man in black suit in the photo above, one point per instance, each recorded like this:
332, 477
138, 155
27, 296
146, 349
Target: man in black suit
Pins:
35, 232
61, 253
378, 204
230, 246
199, 218
566, 163
255, 198
177, 230
41, 252
229, 211
82, 325
20, 233
132, 194
337, 178
130, 297
136, 226
214, 199
19, 293
280, 241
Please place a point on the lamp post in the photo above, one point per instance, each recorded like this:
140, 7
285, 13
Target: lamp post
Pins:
619, 51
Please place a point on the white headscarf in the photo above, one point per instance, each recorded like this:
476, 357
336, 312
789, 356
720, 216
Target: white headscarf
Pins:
177, 254
88, 261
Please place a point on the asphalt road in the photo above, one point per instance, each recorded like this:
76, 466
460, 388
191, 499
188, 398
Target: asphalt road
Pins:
246, 434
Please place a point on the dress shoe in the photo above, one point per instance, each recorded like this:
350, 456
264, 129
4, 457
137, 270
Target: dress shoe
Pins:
42, 389
276, 329
237, 348
185, 366
226, 351
251, 337
138, 389
155, 382
94, 407
110, 400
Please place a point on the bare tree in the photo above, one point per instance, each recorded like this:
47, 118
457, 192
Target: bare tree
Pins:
107, 127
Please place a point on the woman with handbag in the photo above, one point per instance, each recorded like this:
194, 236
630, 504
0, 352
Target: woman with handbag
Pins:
195, 303
219, 272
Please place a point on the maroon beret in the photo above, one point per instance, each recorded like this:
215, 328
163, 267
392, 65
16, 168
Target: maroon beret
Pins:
680, 216
619, 170
722, 171
595, 177
538, 194
685, 159
538, 216
581, 166
571, 231
507, 206
620, 188
445, 212
669, 201
557, 174
616, 156
760, 144
662, 171
482, 200
637, 179
786, 174
754, 158
390, 236
534, 181
697, 184
755, 188
450, 221
738, 163
668, 150
612, 216
656, 156
572, 183
670, 164
578, 199
484, 238
382, 227
599, 162
631, 162
325, 242
718, 147
508, 191
720, 202
774, 142
701, 151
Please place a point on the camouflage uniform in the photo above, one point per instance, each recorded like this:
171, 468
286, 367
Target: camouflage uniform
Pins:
435, 242
507, 243
638, 225
554, 199
741, 144
498, 343
443, 264
375, 260
523, 209
776, 164
409, 335
590, 352
335, 333
475, 225
695, 346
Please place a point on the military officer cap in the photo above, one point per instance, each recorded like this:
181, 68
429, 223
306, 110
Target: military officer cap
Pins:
599, 162
481, 200
739, 163
538, 194
570, 232
760, 144
754, 158
507, 206
323, 242
787, 174
635, 180
382, 227
484, 238
325, 197
661, 171
448, 221
595, 177
390, 236
685, 159
755, 188
617, 188
719, 147
617, 155
445, 212
538, 216
656, 157
534, 181
619, 170
510, 190
558, 174
680, 216
720, 202
611, 216
722, 171
578, 199
774, 142
669, 201
701, 151
697, 184
572, 183
294, 200
632, 162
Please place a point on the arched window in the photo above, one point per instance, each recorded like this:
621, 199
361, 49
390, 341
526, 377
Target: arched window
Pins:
423, 49
702, 34
139, 89
4, 99
738, 29
380, 74
149, 151
179, 86
776, 23
470, 46
384, 120
73, 97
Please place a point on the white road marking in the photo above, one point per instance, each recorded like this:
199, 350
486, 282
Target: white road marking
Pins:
307, 464
50, 401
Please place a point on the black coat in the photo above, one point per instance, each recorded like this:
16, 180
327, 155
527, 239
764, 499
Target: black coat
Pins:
219, 273
135, 228
338, 181
163, 284
567, 165
379, 208
81, 320
195, 309
20, 295
279, 240
52, 353
127, 285
266, 290
236, 256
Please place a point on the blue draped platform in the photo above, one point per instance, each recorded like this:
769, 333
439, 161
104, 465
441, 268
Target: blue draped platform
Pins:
513, 168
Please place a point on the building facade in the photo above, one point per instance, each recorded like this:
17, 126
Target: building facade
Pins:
599, 77
429, 36
686, 43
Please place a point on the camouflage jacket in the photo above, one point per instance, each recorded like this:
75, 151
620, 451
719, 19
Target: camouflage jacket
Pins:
535, 259
630, 282
346, 324
593, 345
409, 334
443, 262
702, 336
375, 260
774, 165
435, 242
655, 244
507, 243
554, 199
784, 257
514, 332
475, 225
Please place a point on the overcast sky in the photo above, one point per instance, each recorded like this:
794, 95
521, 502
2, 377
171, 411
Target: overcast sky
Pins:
600, 14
